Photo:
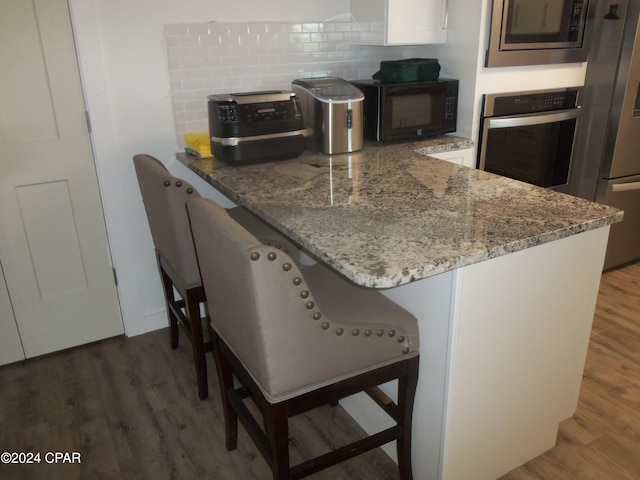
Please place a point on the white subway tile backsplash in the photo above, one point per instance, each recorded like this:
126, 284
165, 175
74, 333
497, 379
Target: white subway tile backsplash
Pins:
193, 106
185, 116
300, 37
197, 29
182, 96
294, 27
192, 84
176, 30
216, 57
311, 27
180, 74
176, 53
191, 62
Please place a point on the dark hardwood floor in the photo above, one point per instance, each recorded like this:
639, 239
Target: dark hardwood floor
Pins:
129, 406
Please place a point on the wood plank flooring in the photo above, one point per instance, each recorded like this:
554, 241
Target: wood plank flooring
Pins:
130, 407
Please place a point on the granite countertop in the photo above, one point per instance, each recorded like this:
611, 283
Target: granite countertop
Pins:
389, 215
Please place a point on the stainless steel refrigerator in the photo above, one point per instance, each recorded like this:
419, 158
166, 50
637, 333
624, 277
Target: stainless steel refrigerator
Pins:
607, 145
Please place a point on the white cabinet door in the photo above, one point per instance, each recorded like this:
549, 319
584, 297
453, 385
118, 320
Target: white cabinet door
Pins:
461, 157
400, 22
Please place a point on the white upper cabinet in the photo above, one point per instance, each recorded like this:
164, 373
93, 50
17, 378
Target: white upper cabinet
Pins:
399, 22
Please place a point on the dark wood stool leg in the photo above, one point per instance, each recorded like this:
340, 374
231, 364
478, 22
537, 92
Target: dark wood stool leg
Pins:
406, 394
225, 379
277, 421
169, 296
197, 340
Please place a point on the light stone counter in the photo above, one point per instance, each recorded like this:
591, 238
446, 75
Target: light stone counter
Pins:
390, 215
502, 276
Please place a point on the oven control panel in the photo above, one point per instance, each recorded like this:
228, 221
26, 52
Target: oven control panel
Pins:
531, 102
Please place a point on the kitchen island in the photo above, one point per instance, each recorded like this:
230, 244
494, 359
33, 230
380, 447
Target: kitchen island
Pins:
502, 276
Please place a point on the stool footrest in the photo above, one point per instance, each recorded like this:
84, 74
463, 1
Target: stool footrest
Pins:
344, 453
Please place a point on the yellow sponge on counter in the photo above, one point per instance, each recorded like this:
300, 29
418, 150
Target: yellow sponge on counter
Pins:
198, 144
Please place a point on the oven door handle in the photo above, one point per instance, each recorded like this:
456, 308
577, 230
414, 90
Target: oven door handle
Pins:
535, 119
625, 187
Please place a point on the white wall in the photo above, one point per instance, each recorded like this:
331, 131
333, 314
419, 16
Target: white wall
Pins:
126, 79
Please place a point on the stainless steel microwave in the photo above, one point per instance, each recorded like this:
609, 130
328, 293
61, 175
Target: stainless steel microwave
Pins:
411, 110
538, 32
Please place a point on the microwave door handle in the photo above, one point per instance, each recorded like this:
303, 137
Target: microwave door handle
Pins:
536, 119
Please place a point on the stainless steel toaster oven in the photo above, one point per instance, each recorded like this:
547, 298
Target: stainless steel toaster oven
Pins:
256, 126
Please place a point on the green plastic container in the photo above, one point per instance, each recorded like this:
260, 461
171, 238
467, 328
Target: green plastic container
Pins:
408, 70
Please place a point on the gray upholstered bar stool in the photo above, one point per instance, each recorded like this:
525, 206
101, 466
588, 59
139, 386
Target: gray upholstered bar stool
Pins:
164, 198
296, 340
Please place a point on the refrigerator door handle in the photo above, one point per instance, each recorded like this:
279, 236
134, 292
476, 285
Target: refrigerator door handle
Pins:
625, 187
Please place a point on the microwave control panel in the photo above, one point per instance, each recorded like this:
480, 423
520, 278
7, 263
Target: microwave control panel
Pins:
450, 107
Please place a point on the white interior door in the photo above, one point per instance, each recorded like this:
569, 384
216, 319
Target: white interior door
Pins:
53, 242
10, 346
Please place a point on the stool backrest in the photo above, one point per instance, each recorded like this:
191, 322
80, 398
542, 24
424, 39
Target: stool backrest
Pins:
255, 292
164, 198
268, 314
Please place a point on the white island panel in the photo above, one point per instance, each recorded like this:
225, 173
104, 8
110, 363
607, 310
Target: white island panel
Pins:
519, 342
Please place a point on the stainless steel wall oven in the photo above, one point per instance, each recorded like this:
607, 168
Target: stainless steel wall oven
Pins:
536, 32
529, 136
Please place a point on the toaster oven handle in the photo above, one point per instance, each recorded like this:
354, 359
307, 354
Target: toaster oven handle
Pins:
234, 141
